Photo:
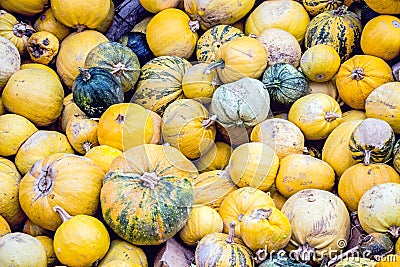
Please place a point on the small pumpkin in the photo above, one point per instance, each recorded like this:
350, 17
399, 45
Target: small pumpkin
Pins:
47, 243
5, 227
197, 84
70, 109
155, 6
43, 47
124, 251
137, 42
47, 22
82, 133
315, 7
216, 158
103, 155
11, 60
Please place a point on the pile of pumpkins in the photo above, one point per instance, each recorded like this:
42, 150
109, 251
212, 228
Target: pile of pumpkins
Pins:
243, 129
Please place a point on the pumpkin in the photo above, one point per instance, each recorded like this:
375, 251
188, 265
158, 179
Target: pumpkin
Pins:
315, 7
15, 129
353, 114
11, 60
20, 249
47, 22
281, 46
216, 158
219, 249
40, 66
389, 260
125, 125
382, 103
237, 203
80, 14
35, 230
276, 196
47, 243
159, 180
359, 178
353, 261
24, 8
265, 228
377, 244
239, 58
216, 12
292, 17
141, 26
118, 59
312, 209
243, 103
202, 221
197, 84
372, 141
155, 6
298, 172
70, 109
5, 227
80, 240
95, 89
316, 115
124, 251
160, 83
106, 23
120, 263
82, 133
2, 110
40, 145
211, 188
103, 155
42, 47
359, 76
285, 83
377, 209
35, 94
384, 7
320, 63
211, 41
339, 28
73, 52
328, 88
336, 150
137, 42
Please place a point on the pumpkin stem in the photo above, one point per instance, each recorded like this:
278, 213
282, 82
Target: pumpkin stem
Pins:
85, 74
357, 74
87, 146
80, 27
43, 183
261, 214
62, 213
210, 121
194, 25
231, 235
340, 11
331, 116
394, 230
217, 64
150, 179
22, 29
305, 252
367, 157
252, 35
118, 69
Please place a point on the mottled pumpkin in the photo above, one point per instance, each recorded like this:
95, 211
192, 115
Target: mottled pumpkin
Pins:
315, 7
43, 47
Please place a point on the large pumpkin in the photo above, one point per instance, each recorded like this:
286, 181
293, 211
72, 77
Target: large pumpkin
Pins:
11, 60
25, 8
158, 180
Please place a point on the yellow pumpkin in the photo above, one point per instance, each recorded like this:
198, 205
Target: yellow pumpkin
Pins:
155, 6
384, 6
103, 155
276, 196
47, 22
43, 47
2, 109
40, 145
25, 8
47, 243
35, 94
70, 109
120, 263
73, 51
172, 33
353, 114
15, 129
121, 250
216, 158
82, 133
197, 84
359, 76
5, 227
39, 66
316, 115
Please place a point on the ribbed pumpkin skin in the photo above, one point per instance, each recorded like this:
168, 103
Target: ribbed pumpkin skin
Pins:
148, 216
315, 7
160, 83
338, 28
213, 39
82, 133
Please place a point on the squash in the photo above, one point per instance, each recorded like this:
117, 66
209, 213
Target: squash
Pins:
160, 83
80, 14
281, 46
320, 63
239, 58
312, 209
106, 23
396, 156
359, 178
40, 145
19, 249
389, 260
202, 221
159, 180
137, 42
73, 52
35, 230
24, 8
47, 22
377, 244
125, 125
219, 249
237, 203
82, 133
124, 251
216, 12
243, 103
298, 172
103, 156
42, 47
315, 7
339, 28
328, 88
95, 89
316, 115
70, 109
171, 33
40, 66
336, 150
377, 209
188, 127
285, 83
372, 141
277, 197
141, 26
212, 40
359, 76
292, 17
353, 114
15, 129
197, 84
47, 243
35, 94
383, 102
216, 158
155, 6
5, 227
118, 59
11, 61
384, 7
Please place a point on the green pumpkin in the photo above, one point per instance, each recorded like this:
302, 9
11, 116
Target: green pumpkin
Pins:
372, 140
285, 83
95, 89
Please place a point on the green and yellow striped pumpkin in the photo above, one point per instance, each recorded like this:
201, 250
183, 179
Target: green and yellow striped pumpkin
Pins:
338, 28
160, 83
315, 7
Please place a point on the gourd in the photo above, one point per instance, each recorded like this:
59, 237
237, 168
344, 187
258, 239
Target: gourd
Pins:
390, 260
155, 6
24, 8
315, 7
55, 180
70, 109
384, 7
328, 88
47, 243
377, 244
47, 22
137, 42
216, 158
353, 114
124, 251
197, 84
40, 66
42, 47
35, 230
82, 133
103, 156
11, 60
159, 180
5, 227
